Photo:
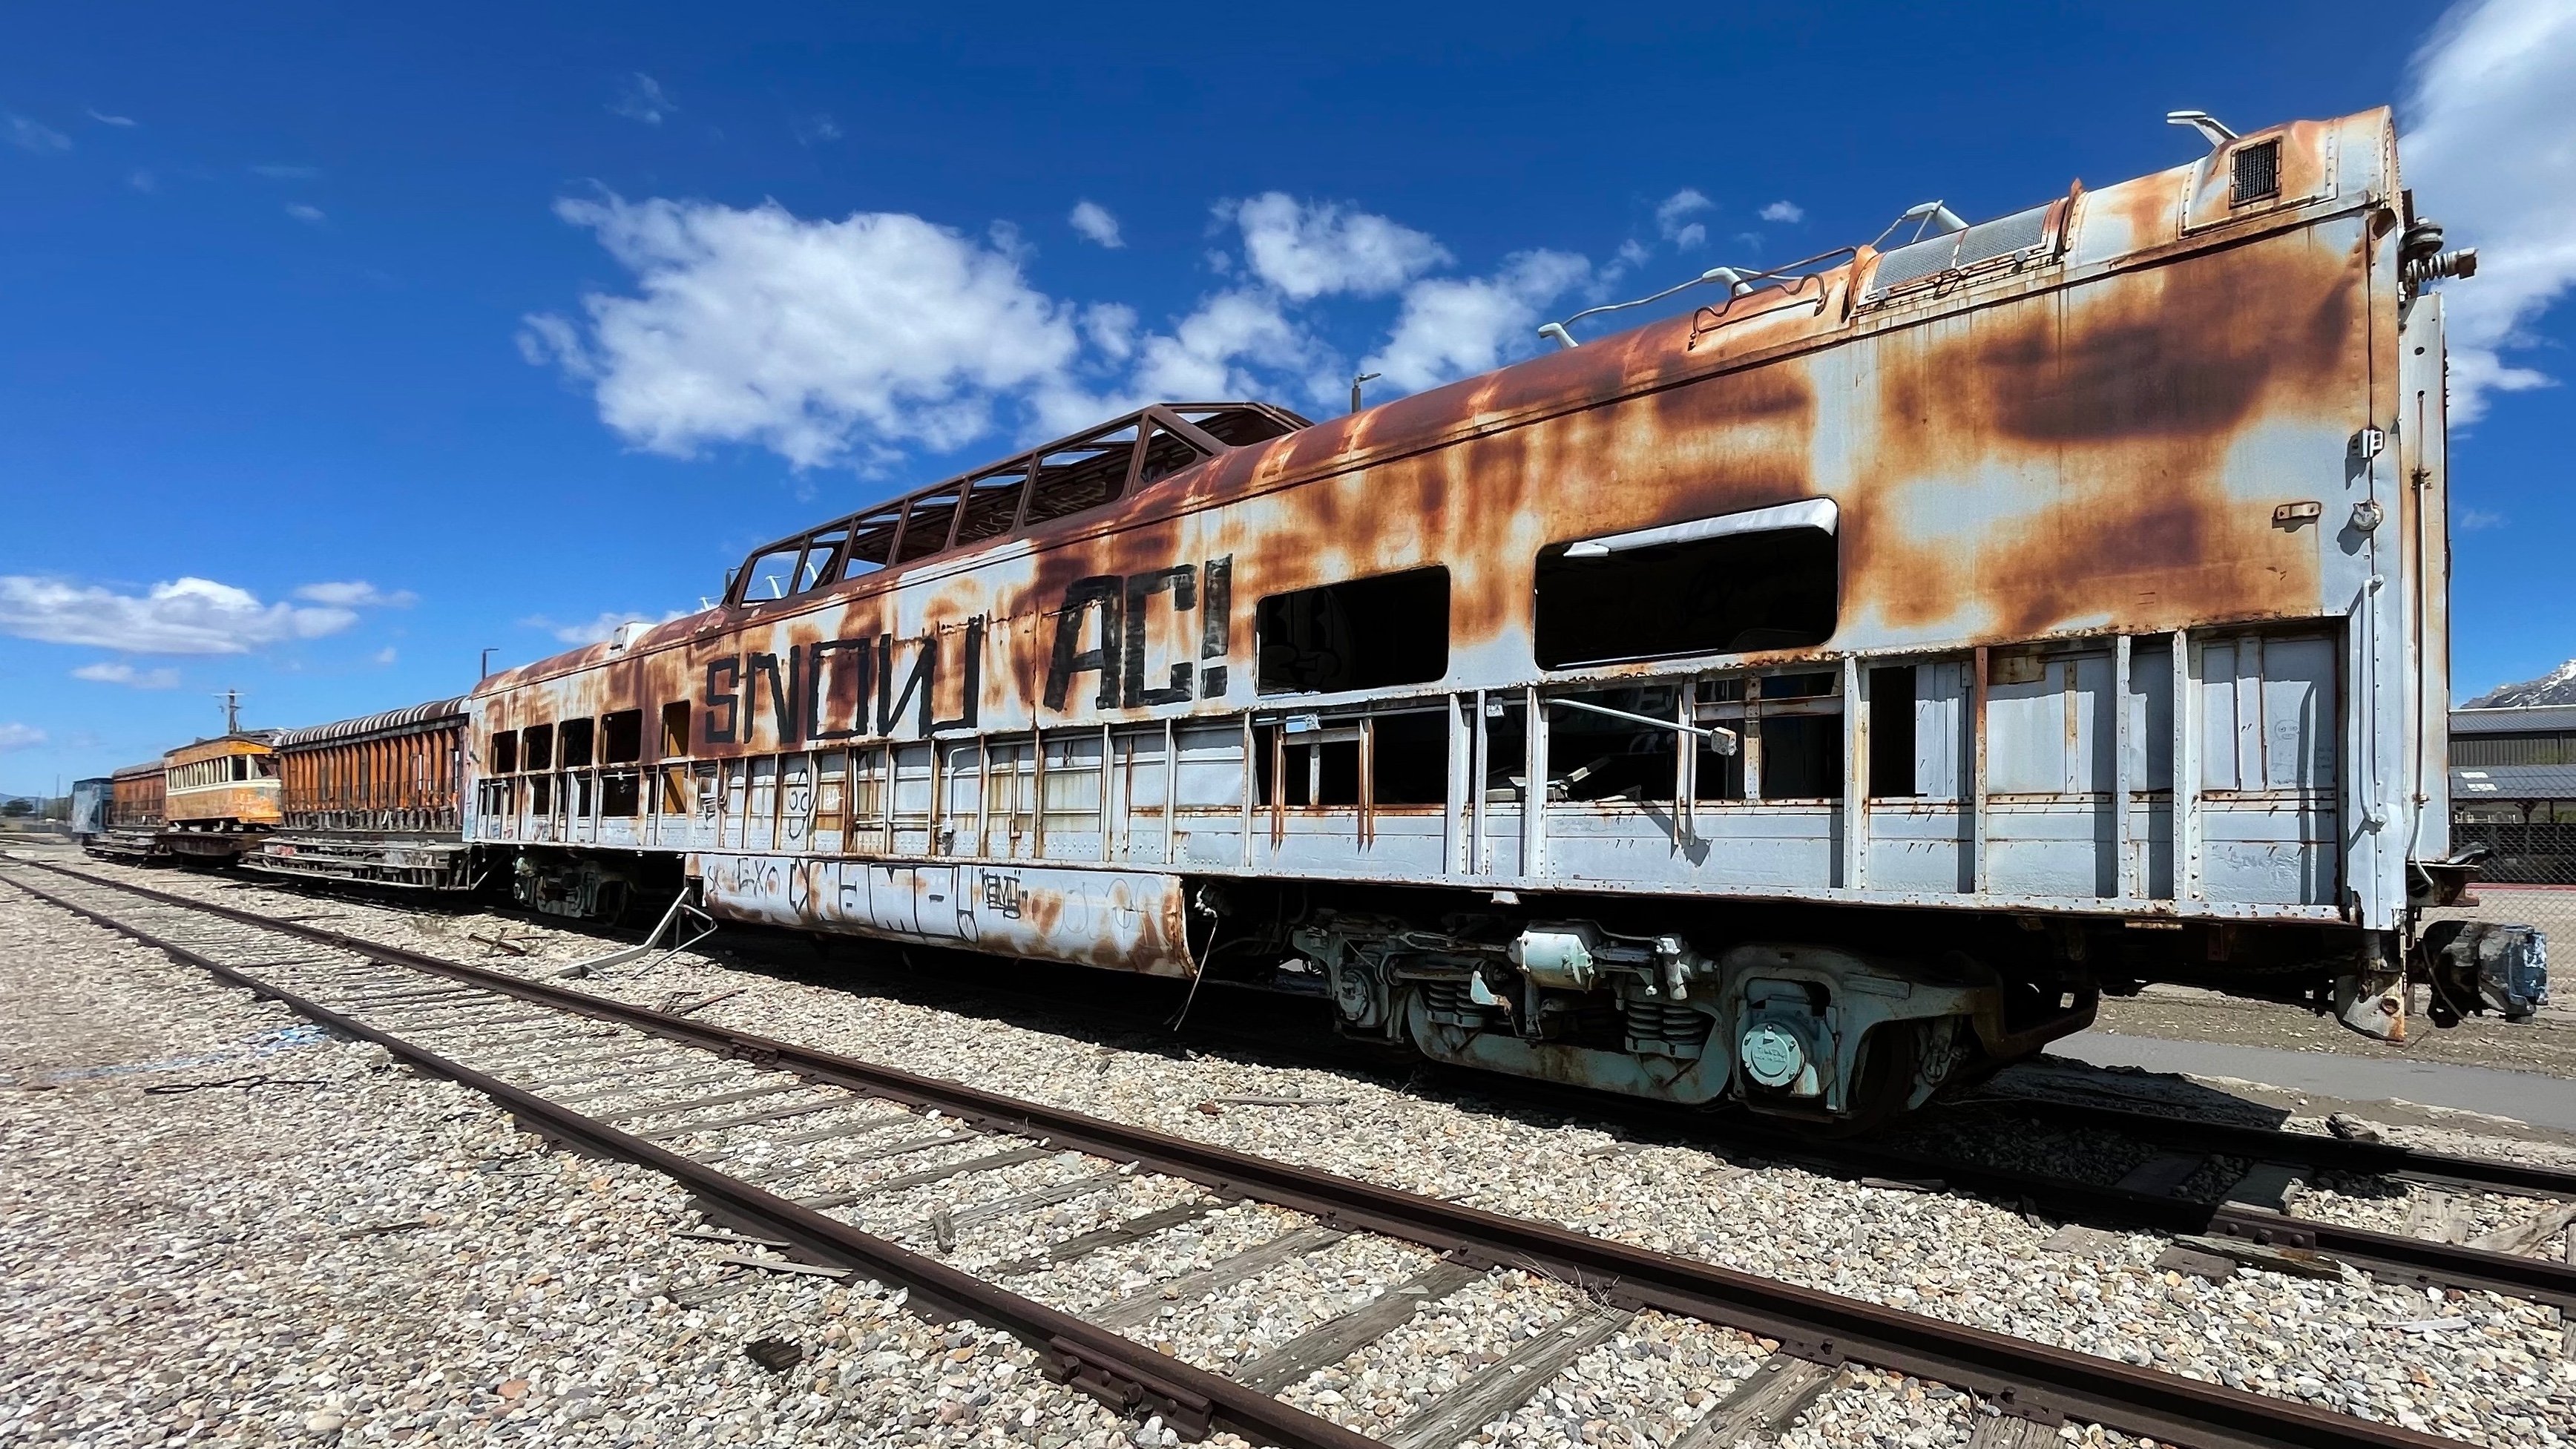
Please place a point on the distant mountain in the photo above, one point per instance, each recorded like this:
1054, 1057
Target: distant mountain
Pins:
2558, 686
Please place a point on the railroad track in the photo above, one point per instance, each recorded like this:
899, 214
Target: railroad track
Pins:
703, 1105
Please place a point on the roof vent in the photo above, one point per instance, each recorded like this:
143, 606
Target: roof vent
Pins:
2257, 173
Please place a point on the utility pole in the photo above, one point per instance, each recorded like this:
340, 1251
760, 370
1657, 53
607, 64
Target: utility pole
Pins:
488, 652
1355, 387
232, 711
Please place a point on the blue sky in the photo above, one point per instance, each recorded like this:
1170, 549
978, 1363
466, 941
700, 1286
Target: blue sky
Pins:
406, 335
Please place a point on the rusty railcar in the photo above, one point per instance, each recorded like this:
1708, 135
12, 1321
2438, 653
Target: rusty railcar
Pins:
1784, 702
136, 806
374, 801
222, 796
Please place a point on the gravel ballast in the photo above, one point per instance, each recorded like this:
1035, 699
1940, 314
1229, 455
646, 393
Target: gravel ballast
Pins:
2474, 1367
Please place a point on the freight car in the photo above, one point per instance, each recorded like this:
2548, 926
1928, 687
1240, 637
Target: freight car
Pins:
135, 805
221, 797
373, 801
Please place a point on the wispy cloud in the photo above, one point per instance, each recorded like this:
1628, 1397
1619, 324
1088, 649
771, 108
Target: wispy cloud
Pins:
1787, 212
386, 655
117, 671
15, 736
32, 135
105, 119
287, 173
1672, 218
815, 129
640, 98
1092, 221
143, 180
357, 594
306, 213
183, 616
2477, 520
2490, 109
597, 628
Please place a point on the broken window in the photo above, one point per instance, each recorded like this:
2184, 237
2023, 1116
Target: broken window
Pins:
771, 574
1238, 427
621, 793
1079, 475
992, 504
872, 541
541, 794
1891, 733
1764, 579
1363, 634
575, 737
1802, 757
926, 523
1409, 758
621, 737
675, 729
540, 746
1596, 756
1166, 453
822, 562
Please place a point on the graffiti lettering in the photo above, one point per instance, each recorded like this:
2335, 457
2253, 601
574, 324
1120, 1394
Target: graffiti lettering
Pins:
1002, 894
730, 671
1123, 605
841, 689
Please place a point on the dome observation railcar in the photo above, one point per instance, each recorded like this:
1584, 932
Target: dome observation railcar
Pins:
1813, 702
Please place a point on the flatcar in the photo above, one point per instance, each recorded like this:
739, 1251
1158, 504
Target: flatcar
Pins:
1813, 701
373, 801
135, 816
222, 795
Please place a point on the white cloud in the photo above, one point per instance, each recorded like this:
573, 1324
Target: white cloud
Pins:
817, 127
357, 594
1309, 249
640, 98
1111, 328
116, 671
595, 629
1671, 218
2477, 520
1788, 212
1451, 328
2487, 154
186, 616
287, 173
29, 135
1093, 221
15, 736
1205, 357
310, 215
386, 655
814, 339
143, 181
107, 120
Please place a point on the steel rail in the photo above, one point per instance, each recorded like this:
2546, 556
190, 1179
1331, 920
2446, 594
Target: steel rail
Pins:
2018, 1376
1130, 1377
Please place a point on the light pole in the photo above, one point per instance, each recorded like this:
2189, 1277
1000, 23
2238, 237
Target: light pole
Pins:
1355, 387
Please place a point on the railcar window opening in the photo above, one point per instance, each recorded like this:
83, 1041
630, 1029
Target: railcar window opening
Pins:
1891, 733
926, 524
574, 738
1081, 475
621, 794
621, 737
1595, 757
1370, 633
538, 746
1711, 586
1237, 427
1801, 757
580, 792
821, 563
540, 794
992, 504
1409, 757
871, 541
772, 575
675, 729
264, 766
1165, 454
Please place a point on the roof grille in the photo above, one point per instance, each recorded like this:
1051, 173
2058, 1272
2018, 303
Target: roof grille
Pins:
2008, 236
2258, 173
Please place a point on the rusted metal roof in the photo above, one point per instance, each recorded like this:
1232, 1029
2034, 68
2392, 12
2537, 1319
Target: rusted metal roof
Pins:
2513, 719
390, 722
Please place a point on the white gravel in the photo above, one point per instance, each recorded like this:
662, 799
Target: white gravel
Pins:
382, 1258
2479, 1368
